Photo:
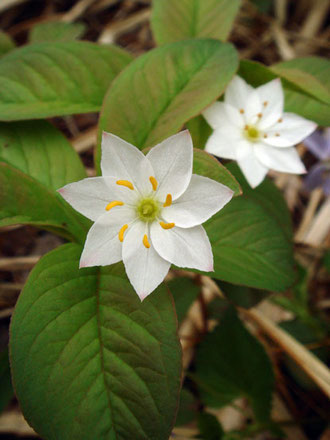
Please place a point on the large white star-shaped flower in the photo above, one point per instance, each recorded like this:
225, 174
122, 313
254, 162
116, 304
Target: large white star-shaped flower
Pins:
147, 210
250, 126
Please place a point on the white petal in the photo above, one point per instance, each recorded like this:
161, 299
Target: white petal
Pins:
253, 108
286, 160
202, 199
220, 115
172, 164
144, 267
91, 196
183, 247
244, 149
292, 130
272, 99
237, 92
102, 246
223, 142
125, 162
253, 170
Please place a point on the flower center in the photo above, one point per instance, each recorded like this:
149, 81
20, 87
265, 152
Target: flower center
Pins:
251, 133
147, 209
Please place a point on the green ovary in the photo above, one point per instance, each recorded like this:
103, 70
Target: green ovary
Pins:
252, 134
147, 209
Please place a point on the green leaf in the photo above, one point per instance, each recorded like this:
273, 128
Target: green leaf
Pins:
56, 31
200, 131
174, 20
207, 165
38, 149
267, 195
55, 79
209, 427
6, 43
311, 74
161, 90
296, 101
251, 239
307, 107
187, 408
6, 389
184, 292
89, 360
23, 200
242, 296
231, 363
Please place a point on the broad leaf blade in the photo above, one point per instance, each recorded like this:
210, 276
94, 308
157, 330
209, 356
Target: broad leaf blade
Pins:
184, 292
226, 366
38, 149
252, 240
6, 43
54, 79
103, 364
311, 74
160, 91
206, 165
56, 31
23, 200
174, 20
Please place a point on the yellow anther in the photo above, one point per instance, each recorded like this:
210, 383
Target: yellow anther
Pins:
145, 241
122, 232
259, 115
277, 134
265, 136
167, 225
168, 201
125, 183
113, 204
153, 182
241, 111
280, 120
265, 103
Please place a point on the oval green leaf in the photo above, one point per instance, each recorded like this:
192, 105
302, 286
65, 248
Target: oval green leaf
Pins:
89, 360
208, 166
56, 31
226, 366
252, 240
55, 79
174, 20
311, 74
160, 91
23, 200
38, 149
6, 43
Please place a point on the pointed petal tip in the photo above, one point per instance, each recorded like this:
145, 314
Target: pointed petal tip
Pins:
61, 190
142, 295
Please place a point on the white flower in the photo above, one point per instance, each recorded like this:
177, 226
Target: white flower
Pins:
147, 210
250, 126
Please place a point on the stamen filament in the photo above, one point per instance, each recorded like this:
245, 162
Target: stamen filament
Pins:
168, 201
126, 183
153, 182
113, 204
122, 232
145, 241
167, 225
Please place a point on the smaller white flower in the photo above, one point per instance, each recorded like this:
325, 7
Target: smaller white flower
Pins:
147, 210
250, 126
